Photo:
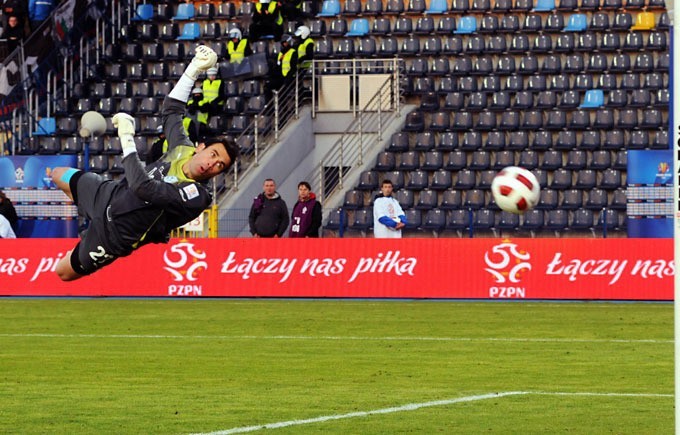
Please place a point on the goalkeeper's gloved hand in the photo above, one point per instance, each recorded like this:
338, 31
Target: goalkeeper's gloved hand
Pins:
126, 132
204, 59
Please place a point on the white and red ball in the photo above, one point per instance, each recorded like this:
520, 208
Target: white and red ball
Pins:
515, 189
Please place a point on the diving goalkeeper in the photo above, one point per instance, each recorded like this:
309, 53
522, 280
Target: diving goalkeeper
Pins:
149, 202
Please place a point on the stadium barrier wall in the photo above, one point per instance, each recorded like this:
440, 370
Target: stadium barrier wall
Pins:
604, 269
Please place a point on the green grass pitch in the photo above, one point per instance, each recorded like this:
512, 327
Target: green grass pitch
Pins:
118, 366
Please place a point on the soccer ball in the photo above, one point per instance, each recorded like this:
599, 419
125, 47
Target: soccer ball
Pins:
515, 189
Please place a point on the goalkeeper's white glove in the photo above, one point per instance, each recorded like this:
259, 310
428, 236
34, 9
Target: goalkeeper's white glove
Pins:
126, 132
204, 59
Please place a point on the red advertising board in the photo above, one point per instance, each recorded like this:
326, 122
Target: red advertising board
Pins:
613, 269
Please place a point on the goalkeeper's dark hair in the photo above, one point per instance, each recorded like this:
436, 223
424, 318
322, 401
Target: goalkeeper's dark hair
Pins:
228, 143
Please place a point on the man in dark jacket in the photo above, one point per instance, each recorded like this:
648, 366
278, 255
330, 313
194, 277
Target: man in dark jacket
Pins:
269, 213
306, 217
149, 202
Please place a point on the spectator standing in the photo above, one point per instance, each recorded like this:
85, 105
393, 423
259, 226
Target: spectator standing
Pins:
291, 10
269, 213
15, 8
213, 92
13, 33
38, 11
267, 20
8, 211
286, 65
6, 231
388, 217
238, 47
198, 108
305, 47
306, 216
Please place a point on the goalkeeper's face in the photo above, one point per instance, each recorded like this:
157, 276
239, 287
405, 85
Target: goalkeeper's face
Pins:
207, 162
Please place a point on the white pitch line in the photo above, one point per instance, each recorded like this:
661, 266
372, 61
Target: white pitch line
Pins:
414, 406
339, 338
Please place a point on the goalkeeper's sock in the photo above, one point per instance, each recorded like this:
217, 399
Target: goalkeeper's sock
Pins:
182, 89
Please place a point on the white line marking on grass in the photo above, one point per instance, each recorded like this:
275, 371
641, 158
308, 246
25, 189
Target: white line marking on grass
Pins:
340, 338
409, 407
414, 406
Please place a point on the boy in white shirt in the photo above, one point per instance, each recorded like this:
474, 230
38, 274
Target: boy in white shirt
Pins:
388, 216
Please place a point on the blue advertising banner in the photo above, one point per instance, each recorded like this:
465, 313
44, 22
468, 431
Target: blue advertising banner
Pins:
44, 210
650, 193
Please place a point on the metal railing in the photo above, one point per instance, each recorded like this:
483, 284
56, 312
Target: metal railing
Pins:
264, 132
364, 133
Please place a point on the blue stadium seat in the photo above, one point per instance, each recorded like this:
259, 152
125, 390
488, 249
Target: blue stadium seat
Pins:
437, 7
466, 25
46, 126
593, 99
544, 6
144, 12
191, 31
185, 11
358, 27
576, 23
330, 8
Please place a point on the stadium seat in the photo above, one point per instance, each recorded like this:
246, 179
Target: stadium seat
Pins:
441, 179
596, 199
660, 140
528, 159
330, 8
619, 199
456, 161
48, 145
556, 220
532, 220
394, 7
358, 27
437, 7
583, 219
566, 140
368, 180
191, 31
427, 199
474, 199
184, 11
623, 21
143, 12
363, 220
46, 126
354, 200
466, 25
416, 7
576, 23
611, 179
644, 21
567, 5
337, 220
562, 179
548, 199
448, 141
373, 7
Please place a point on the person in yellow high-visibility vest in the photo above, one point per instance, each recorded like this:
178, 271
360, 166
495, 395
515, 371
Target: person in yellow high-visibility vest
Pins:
198, 108
285, 68
238, 47
160, 146
305, 47
213, 92
267, 20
